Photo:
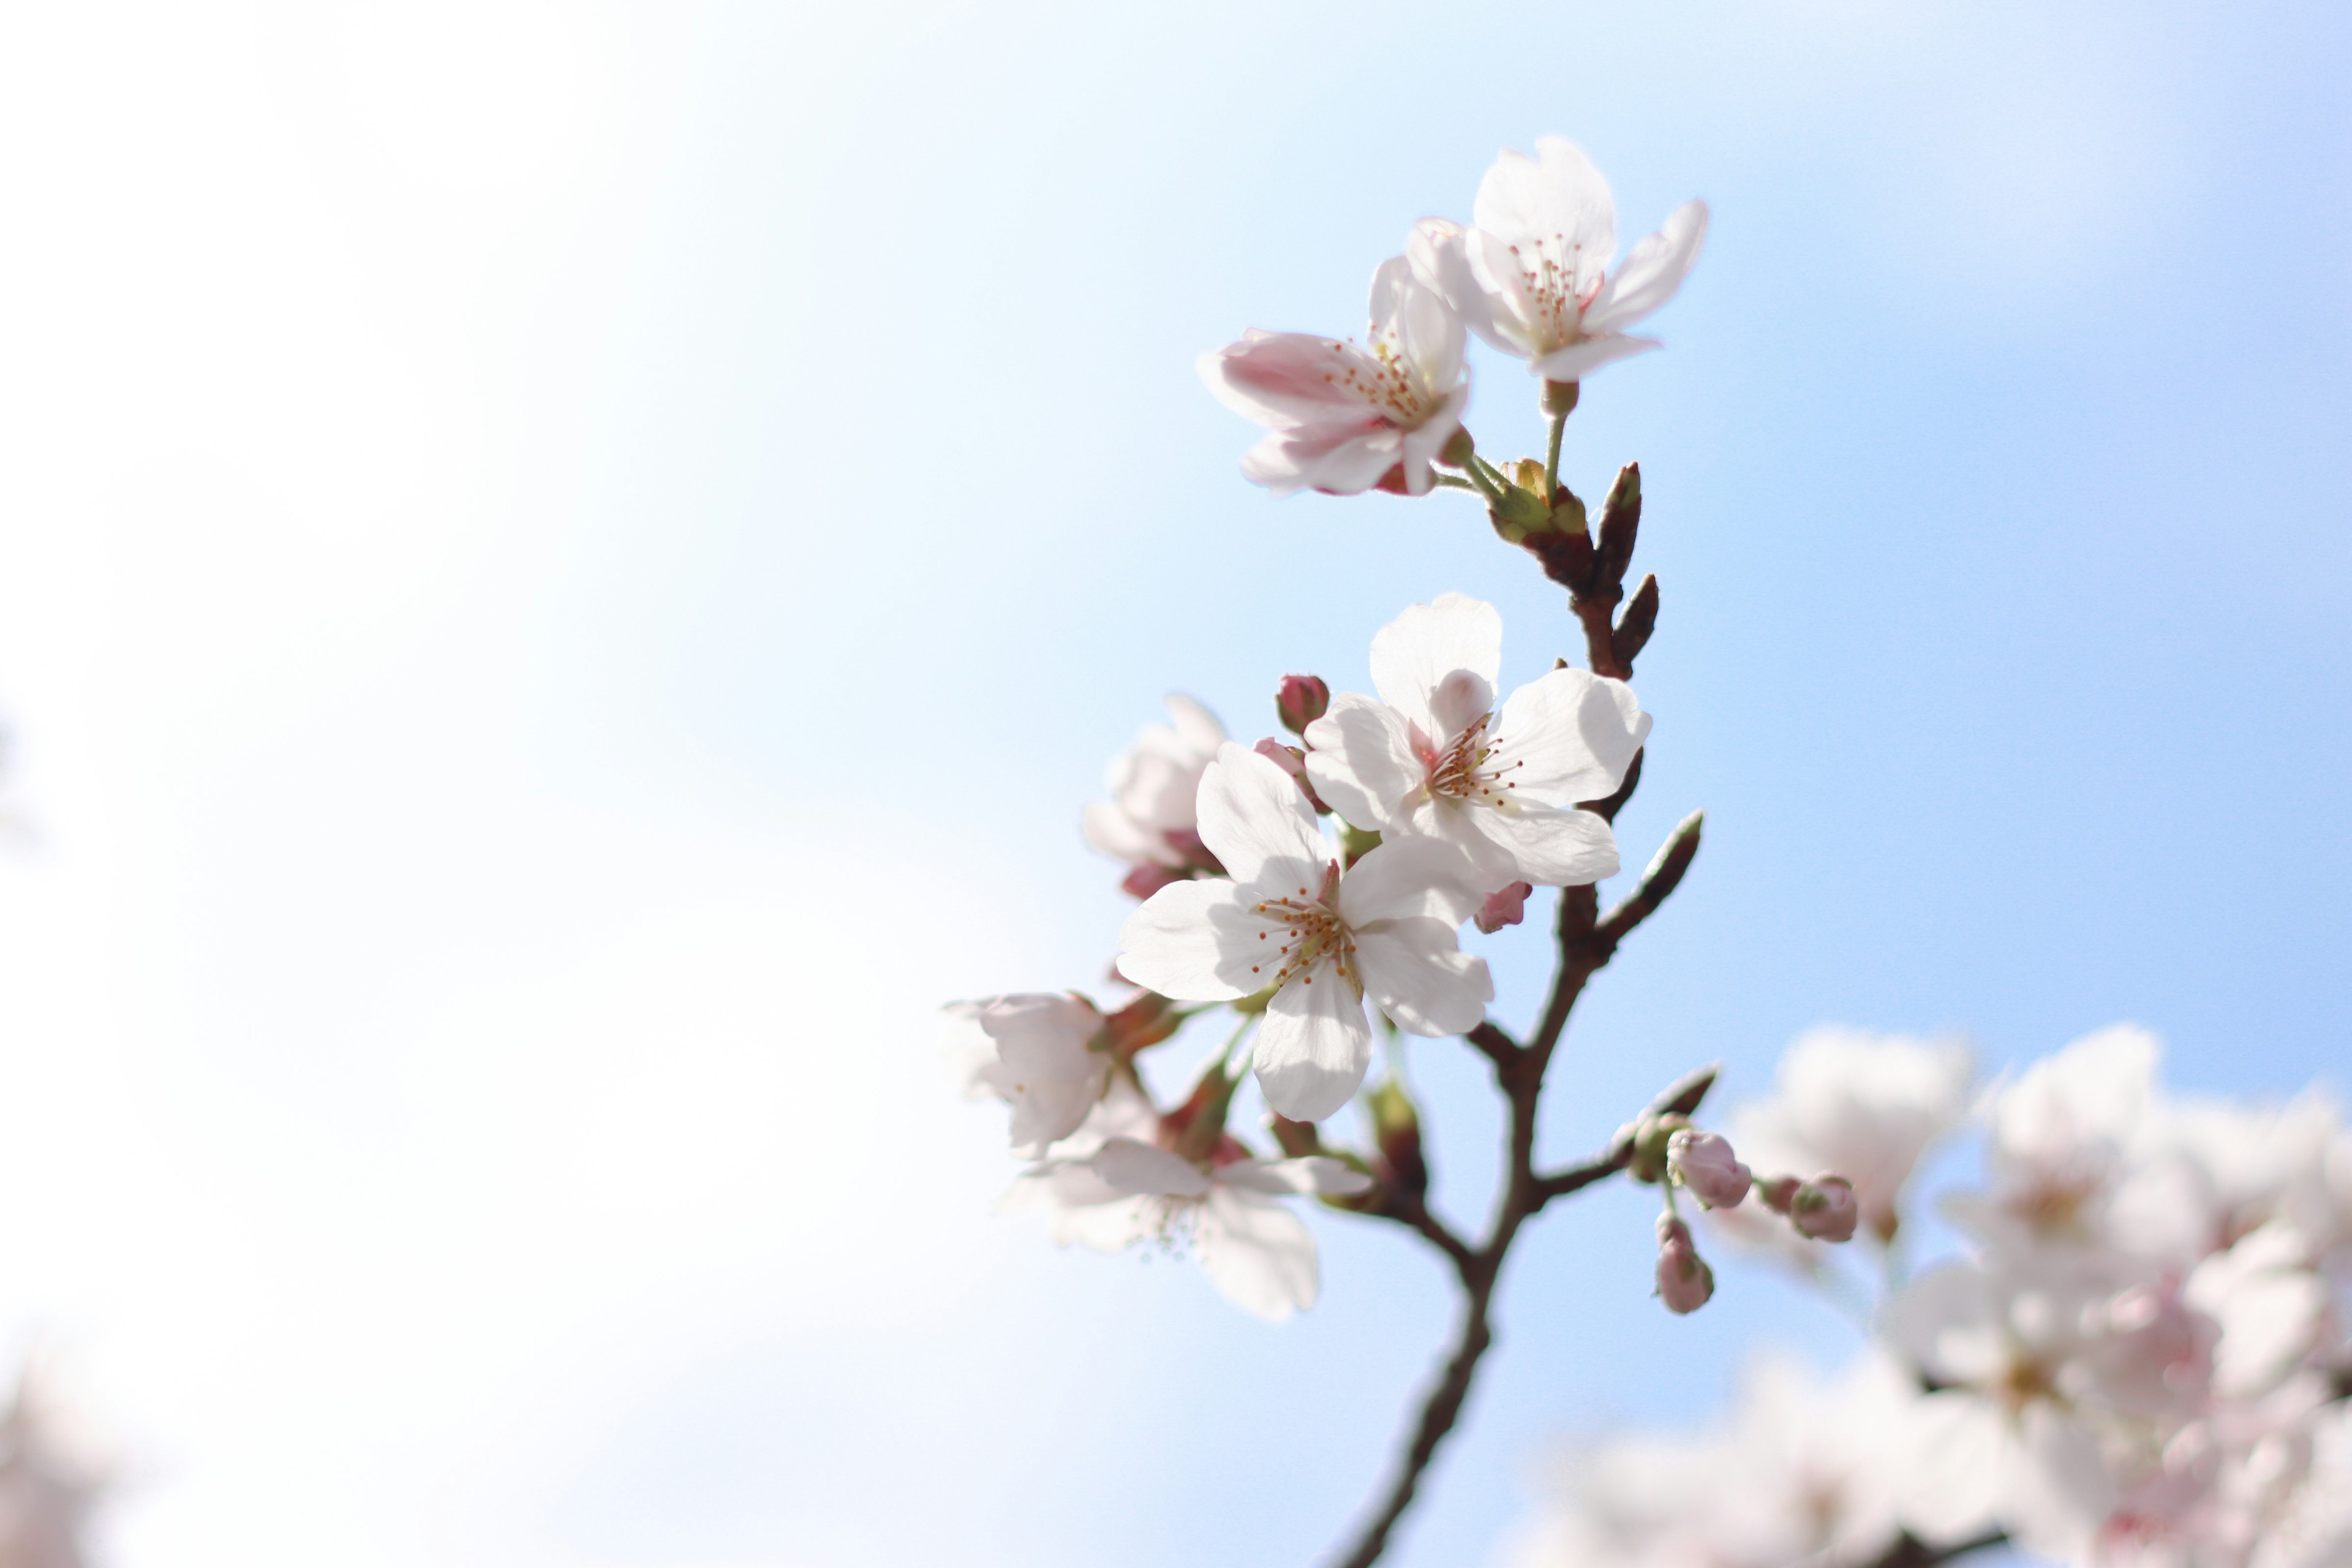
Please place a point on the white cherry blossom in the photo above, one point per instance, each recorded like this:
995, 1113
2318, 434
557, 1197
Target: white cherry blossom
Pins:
1288, 921
1046, 1056
1531, 276
2057, 1142
1432, 757
1148, 822
1343, 419
1864, 1106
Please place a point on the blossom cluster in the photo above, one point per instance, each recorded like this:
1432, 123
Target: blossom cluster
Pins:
1290, 885
2135, 1356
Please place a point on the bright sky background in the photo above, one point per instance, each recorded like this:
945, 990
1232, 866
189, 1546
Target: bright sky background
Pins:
565, 570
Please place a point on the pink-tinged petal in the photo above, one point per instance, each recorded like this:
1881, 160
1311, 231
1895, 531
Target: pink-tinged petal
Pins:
1287, 379
1258, 1254
1412, 877
1314, 1045
1257, 823
1117, 835
1421, 979
1652, 273
1582, 358
1340, 460
1315, 1174
1429, 642
1362, 761
1459, 701
1044, 1035
1133, 1166
1557, 197
1427, 332
1187, 942
1569, 738
1551, 848
1507, 907
1949, 1479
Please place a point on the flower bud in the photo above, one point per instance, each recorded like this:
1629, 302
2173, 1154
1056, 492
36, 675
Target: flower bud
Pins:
1396, 1128
1507, 907
1825, 1209
1197, 1126
1685, 1281
1648, 1138
1778, 1192
1148, 879
1704, 1164
1292, 761
1302, 700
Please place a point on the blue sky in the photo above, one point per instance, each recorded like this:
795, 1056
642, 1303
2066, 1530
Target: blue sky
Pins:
573, 565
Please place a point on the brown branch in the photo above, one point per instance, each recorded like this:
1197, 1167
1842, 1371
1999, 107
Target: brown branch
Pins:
1910, 1551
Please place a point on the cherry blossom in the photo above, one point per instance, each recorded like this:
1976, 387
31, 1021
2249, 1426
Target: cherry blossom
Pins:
1047, 1055
1432, 758
1343, 419
1531, 276
1290, 924
1148, 820
1704, 1163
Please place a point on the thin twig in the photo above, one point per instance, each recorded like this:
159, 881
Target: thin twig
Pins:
1910, 1551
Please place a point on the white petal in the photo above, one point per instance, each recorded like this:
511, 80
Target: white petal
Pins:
1188, 942
1344, 459
1557, 196
1308, 1173
1284, 380
1132, 1166
1429, 642
1550, 848
1414, 969
1652, 273
1515, 321
1410, 879
2056, 1489
1567, 738
1426, 441
1120, 836
1195, 725
1362, 761
1582, 358
1948, 1477
1314, 1045
1258, 1254
1044, 1035
1458, 823
1427, 332
1256, 822
1435, 251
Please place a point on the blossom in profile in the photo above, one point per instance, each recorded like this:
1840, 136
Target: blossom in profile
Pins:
1343, 417
1045, 1057
1532, 274
1148, 820
1318, 942
1432, 757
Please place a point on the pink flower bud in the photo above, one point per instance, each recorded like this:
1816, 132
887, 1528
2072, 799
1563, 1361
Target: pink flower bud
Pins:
1508, 907
1292, 761
1825, 1209
1704, 1164
1302, 700
1685, 1281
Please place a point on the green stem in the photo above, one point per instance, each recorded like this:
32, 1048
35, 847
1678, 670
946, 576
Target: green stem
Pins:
1225, 1057
1551, 456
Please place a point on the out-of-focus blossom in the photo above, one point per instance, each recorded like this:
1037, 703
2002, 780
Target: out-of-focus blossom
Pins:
1865, 1106
2057, 1139
1825, 1209
51, 1474
1801, 1473
1531, 276
1288, 922
1148, 821
1047, 1056
1432, 758
1343, 418
1704, 1164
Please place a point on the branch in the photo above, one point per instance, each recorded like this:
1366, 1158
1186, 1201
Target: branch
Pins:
1682, 1098
1664, 875
1910, 1551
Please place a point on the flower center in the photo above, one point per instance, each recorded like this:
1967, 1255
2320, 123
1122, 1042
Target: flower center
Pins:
1549, 275
1460, 772
1385, 379
1302, 931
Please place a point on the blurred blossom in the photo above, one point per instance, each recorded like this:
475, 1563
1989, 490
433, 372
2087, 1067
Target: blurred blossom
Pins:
1148, 823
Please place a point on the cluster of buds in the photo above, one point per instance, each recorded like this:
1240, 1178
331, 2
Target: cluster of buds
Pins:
1669, 1153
